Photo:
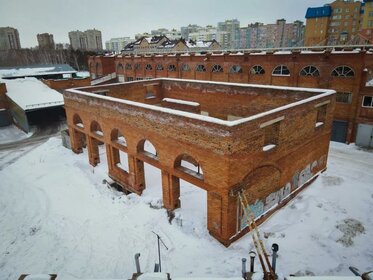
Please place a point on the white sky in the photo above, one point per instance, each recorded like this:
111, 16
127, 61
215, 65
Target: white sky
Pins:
119, 18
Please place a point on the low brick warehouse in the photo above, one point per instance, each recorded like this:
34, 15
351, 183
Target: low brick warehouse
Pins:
221, 137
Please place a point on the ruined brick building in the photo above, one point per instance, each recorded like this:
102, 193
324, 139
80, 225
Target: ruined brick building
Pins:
345, 71
221, 137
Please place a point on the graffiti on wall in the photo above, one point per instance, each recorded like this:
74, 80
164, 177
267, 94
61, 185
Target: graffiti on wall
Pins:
260, 207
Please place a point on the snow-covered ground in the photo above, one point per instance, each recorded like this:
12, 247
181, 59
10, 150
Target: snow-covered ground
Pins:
12, 134
58, 216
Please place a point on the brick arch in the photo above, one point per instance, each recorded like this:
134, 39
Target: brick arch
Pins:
78, 120
262, 181
117, 135
197, 171
141, 148
96, 127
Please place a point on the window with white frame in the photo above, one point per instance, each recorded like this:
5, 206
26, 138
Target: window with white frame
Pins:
217, 69
310, 71
368, 101
200, 68
281, 70
171, 68
185, 67
343, 71
257, 70
235, 69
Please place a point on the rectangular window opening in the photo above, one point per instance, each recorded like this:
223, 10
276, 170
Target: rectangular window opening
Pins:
271, 136
321, 115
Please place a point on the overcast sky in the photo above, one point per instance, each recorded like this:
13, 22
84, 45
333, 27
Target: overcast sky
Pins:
119, 18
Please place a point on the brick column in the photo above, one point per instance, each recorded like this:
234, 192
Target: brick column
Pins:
93, 152
76, 141
170, 191
136, 170
221, 216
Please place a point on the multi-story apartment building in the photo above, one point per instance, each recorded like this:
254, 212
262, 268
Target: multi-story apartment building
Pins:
9, 38
207, 33
45, 41
172, 34
117, 44
94, 40
366, 30
277, 35
90, 40
340, 22
186, 30
230, 27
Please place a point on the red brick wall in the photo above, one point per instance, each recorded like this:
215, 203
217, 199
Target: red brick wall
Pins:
67, 83
325, 62
231, 157
3, 98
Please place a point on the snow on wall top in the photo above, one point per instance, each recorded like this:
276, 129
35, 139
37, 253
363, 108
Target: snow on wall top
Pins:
179, 101
37, 70
322, 93
30, 93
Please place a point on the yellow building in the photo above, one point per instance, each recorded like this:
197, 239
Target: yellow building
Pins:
338, 23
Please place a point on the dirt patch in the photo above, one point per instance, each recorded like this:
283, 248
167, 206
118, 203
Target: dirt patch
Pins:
350, 229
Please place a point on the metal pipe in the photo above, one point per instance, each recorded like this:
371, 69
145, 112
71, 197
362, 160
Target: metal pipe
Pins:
244, 268
137, 256
275, 248
252, 255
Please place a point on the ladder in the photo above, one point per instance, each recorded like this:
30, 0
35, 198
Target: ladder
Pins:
258, 243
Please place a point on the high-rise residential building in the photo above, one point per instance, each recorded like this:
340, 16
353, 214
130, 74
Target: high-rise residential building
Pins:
186, 30
117, 44
90, 40
94, 40
207, 33
366, 30
338, 23
46, 41
232, 27
9, 38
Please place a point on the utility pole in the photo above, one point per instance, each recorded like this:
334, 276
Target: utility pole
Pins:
159, 239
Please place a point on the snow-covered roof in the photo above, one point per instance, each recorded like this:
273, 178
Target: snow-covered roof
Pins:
31, 94
36, 70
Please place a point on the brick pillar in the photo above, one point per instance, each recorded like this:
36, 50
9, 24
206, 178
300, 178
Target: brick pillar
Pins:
76, 141
221, 216
136, 170
93, 153
170, 191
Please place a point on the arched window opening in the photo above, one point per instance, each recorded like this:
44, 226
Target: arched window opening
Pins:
185, 67
235, 69
137, 66
189, 165
159, 67
200, 68
117, 136
128, 66
310, 71
96, 128
257, 70
217, 69
78, 121
147, 148
281, 70
120, 67
171, 68
148, 67
343, 71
